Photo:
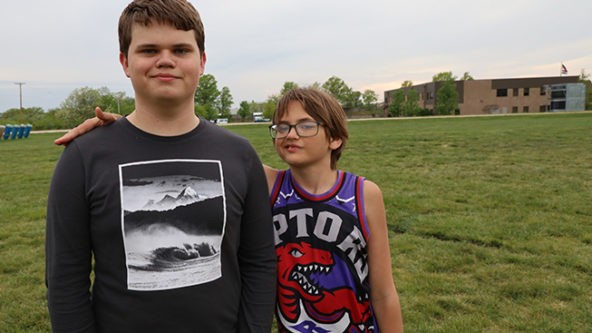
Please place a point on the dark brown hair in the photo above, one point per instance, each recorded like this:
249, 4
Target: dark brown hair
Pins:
323, 108
178, 13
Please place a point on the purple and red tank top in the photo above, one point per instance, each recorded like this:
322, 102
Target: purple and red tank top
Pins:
320, 243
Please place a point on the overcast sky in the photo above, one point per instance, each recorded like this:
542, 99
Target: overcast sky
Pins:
254, 46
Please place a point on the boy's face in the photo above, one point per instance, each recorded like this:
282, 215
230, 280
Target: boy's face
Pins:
163, 63
304, 151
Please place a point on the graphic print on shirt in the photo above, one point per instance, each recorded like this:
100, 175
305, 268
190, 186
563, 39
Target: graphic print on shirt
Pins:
322, 258
308, 298
173, 219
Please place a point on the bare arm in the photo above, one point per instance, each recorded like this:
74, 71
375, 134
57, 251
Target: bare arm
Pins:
271, 175
101, 119
383, 294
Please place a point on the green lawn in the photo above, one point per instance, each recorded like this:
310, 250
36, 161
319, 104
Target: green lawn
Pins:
490, 219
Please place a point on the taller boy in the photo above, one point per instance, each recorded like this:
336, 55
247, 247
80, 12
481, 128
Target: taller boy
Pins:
176, 217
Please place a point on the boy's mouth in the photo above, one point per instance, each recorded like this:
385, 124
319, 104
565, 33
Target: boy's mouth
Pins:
292, 148
164, 77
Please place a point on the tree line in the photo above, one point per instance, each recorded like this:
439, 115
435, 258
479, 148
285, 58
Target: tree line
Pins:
210, 103
213, 103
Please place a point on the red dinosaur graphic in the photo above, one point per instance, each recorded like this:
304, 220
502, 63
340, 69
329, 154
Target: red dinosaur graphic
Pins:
296, 263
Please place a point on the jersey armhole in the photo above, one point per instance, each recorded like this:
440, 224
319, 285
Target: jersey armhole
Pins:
360, 206
277, 186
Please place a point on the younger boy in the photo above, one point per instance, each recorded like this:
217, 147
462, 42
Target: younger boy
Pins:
169, 212
334, 266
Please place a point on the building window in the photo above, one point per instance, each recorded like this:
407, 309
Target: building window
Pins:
515, 92
526, 91
525, 109
502, 92
543, 91
543, 108
557, 105
558, 94
514, 109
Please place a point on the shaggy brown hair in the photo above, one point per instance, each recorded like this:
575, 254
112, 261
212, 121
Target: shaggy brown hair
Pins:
323, 108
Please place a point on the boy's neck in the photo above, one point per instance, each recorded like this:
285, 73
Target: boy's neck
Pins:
164, 120
315, 180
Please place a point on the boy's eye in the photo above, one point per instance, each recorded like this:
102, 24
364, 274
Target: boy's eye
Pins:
181, 51
283, 128
149, 51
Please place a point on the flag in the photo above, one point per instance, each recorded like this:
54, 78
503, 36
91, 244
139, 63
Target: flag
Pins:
563, 69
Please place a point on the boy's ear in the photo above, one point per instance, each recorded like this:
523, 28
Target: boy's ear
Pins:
335, 143
203, 63
124, 63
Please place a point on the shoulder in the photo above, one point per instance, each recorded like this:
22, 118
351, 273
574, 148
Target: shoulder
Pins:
271, 174
373, 203
371, 191
101, 135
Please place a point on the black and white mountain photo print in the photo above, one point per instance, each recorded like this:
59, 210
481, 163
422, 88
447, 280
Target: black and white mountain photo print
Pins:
173, 219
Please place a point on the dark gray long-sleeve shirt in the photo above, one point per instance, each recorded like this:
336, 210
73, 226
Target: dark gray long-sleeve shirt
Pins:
179, 229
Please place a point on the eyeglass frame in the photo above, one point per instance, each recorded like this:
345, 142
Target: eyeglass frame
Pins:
294, 126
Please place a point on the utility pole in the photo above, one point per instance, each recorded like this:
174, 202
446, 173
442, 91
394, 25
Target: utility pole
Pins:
20, 84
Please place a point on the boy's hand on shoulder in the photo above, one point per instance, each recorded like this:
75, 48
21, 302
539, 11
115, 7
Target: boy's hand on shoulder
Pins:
101, 119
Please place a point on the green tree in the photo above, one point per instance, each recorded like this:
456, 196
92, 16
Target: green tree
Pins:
80, 105
287, 87
49, 120
467, 77
211, 113
269, 108
443, 76
255, 107
585, 79
201, 111
395, 107
116, 102
244, 110
225, 103
411, 105
446, 98
353, 99
337, 87
207, 92
406, 83
28, 116
369, 97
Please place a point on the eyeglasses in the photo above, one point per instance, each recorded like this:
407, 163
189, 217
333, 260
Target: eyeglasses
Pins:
303, 129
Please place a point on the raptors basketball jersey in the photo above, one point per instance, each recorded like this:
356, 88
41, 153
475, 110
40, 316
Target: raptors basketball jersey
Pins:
320, 242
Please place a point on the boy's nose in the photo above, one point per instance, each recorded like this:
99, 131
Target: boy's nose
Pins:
165, 59
292, 133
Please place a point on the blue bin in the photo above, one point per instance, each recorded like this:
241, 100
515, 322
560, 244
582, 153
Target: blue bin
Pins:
27, 130
15, 129
7, 131
21, 131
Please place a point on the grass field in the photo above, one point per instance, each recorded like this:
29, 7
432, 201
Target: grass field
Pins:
490, 219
